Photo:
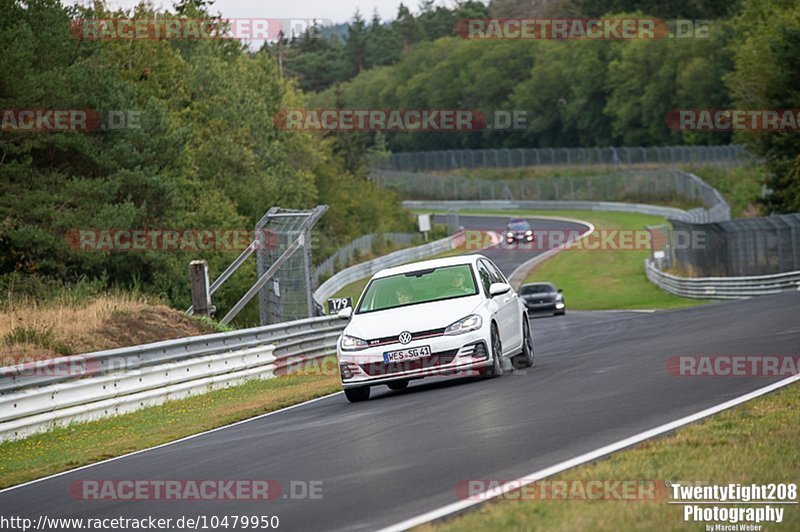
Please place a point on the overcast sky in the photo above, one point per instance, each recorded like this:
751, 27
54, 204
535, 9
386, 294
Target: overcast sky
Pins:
335, 10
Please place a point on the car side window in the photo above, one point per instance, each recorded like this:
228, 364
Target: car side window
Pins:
496, 273
486, 277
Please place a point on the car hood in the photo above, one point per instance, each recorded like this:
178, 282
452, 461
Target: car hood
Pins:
540, 295
413, 318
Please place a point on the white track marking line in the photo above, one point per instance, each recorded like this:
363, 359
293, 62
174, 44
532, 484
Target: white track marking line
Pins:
185, 438
583, 459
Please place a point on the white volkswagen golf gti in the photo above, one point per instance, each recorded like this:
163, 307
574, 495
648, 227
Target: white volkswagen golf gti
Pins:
431, 318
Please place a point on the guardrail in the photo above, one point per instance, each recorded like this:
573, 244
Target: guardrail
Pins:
36, 397
547, 205
370, 267
611, 191
722, 287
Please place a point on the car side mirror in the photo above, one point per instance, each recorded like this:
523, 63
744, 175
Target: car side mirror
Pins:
497, 289
560, 290
345, 314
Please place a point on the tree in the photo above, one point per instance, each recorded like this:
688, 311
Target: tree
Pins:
383, 46
406, 26
355, 47
766, 55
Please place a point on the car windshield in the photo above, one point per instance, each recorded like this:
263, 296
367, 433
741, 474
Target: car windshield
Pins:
423, 286
537, 289
518, 225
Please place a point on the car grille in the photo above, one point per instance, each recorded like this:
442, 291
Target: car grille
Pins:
419, 335
538, 301
374, 369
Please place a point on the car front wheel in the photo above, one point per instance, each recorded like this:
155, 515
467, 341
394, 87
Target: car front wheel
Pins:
525, 358
496, 369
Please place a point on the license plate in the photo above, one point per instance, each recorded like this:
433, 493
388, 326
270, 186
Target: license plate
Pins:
407, 354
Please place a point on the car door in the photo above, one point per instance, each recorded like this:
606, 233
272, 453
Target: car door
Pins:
508, 319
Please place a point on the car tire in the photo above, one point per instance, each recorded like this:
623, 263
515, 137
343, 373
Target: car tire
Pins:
398, 385
496, 369
356, 395
525, 358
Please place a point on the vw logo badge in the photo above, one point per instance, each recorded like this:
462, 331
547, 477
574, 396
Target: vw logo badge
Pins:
404, 337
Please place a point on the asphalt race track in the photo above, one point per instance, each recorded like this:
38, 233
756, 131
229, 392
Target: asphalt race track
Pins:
508, 257
599, 377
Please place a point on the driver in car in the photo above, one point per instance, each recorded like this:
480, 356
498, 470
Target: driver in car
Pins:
458, 284
403, 295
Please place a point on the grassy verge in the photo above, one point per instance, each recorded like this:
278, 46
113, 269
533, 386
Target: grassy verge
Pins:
61, 326
84, 443
602, 279
549, 170
740, 186
752, 443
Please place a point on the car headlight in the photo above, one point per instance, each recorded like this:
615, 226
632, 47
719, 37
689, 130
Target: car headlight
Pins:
510, 234
351, 343
529, 232
472, 322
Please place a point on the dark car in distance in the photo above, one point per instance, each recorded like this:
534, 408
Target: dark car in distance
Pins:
518, 230
543, 297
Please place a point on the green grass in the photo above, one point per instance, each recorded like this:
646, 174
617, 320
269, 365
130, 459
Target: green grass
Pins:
754, 443
602, 279
741, 187
84, 443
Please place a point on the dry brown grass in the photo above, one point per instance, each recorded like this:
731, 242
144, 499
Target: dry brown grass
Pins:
31, 330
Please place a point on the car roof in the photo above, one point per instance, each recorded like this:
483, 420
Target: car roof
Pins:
427, 264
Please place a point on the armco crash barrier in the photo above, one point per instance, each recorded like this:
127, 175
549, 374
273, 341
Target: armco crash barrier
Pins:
36, 397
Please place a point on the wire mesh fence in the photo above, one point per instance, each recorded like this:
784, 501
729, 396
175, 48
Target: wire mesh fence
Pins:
742, 247
659, 185
288, 293
519, 157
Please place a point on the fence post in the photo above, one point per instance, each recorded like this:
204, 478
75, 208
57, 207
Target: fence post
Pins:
201, 295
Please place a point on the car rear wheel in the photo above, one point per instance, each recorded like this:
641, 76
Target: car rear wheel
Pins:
398, 385
355, 395
496, 369
525, 358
